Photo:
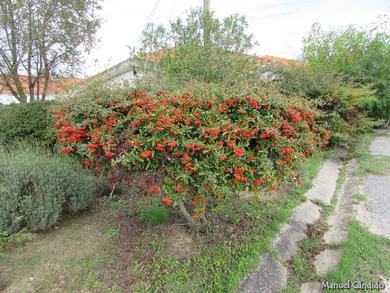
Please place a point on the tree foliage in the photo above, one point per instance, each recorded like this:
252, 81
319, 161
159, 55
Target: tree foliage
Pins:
361, 53
43, 39
201, 47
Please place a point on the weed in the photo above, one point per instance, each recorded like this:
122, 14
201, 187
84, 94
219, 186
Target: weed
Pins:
117, 205
154, 214
112, 233
360, 197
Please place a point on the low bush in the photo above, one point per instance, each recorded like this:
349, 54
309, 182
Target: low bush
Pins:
206, 147
29, 122
343, 103
36, 188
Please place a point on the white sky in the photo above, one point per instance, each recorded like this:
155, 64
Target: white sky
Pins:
278, 25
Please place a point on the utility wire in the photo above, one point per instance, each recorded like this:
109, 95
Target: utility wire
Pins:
150, 18
172, 10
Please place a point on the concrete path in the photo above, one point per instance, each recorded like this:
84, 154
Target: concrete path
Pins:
375, 211
271, 274
381, 146
325, 182
343, 211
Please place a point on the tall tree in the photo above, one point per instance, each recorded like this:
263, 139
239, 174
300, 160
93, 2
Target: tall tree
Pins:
43, 39
186, 55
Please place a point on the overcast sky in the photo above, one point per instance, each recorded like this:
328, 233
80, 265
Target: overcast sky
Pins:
278, 25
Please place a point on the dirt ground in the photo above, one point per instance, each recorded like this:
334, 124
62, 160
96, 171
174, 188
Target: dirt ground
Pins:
91, 252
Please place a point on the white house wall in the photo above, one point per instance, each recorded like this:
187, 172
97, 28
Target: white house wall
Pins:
7, 99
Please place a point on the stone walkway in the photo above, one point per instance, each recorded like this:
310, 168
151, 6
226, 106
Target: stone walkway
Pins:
271, 274
381, 145
375, 211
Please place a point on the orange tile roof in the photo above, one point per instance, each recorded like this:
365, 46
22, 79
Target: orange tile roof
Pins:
269, 58
156, 56
55, 86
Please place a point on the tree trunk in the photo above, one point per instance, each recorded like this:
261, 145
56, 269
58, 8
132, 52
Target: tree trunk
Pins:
196, 225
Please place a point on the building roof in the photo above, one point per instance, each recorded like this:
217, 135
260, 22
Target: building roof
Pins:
269, 58
156, 56
150, 58
56, 86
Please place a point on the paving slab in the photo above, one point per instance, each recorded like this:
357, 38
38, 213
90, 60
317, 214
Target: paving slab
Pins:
311, 287
292, 232
326, 261
375, 211
269, 277
343, 211
324, 185
380, 146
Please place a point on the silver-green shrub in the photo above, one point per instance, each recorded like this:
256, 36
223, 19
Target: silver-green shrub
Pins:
35, 188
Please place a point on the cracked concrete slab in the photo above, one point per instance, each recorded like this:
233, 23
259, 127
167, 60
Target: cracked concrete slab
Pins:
324, 185
270, 276
343, 211
327, 261
286, 243
375, 211
380, 146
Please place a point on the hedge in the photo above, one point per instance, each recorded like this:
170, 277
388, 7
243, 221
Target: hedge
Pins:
204, 148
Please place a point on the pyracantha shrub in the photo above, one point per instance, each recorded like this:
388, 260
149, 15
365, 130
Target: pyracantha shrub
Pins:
205, 148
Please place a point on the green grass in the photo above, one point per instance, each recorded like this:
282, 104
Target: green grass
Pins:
14, 240
365, 256
360, 197
74, 232
372, 164
368, 163
112, 233
81, 272
154, 214
30, 262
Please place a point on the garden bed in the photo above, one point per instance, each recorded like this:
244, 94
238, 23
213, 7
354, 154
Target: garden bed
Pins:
110, 248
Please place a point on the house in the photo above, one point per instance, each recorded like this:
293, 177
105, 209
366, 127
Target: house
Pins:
125, 72
56, 88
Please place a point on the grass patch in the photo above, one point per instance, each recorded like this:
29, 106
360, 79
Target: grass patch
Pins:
360, 197
82, 272
365, 256
372, 164
154, 214
112, 233
361, 144
14, 240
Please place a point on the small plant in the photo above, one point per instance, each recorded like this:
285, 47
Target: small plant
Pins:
360, 197
112, 233
154, 214
16, 239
